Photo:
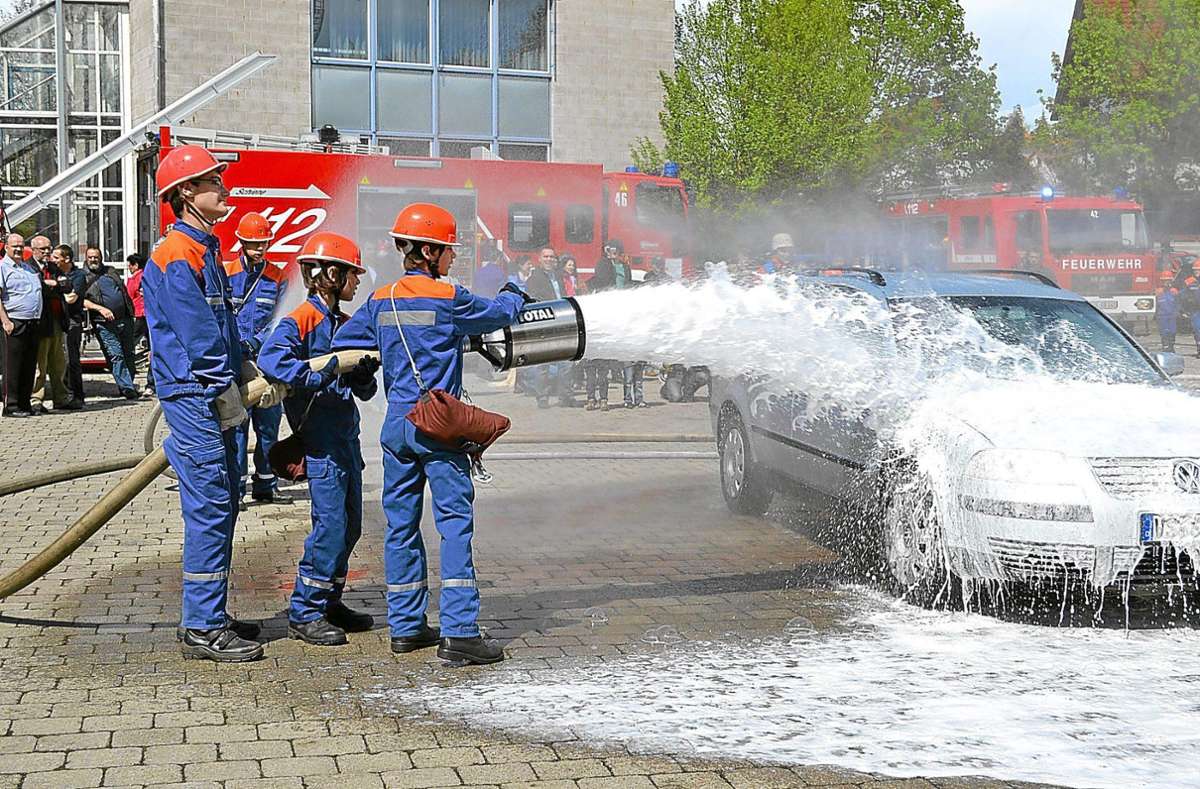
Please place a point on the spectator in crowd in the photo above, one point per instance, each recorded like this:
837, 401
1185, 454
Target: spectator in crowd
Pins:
1189, 304
522, 268
604, 277
1166, 310
657, 275
49, 380
491, 276
20, 312
136, 264
73, 296
568, 274
548, 380
107, 299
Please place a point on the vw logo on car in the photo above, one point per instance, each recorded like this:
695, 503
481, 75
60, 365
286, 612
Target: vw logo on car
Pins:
1186, 475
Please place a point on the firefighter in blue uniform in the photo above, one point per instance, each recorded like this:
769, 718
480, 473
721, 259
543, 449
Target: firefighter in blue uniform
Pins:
196, 365
321, 411
419, 322
258, 287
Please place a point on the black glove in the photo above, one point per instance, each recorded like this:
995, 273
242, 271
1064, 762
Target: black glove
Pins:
363, 374
511, 288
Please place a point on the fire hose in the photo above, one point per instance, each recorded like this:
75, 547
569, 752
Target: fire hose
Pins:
144, 472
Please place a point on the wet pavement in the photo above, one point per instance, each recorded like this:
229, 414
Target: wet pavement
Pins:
618, 586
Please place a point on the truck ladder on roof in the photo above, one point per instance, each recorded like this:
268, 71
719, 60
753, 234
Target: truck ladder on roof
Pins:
219, 138
185, 106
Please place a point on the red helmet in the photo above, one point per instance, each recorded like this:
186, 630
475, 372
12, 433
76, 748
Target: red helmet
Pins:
331, 248
183, 164
254, 227
1166, 276
425, 222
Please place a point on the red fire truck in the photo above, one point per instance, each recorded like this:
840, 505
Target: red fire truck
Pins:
1095, 246
510, 207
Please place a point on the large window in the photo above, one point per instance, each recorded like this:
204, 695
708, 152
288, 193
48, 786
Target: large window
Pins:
454, 73
524, 34
96, 112
404, 31
340, 28
1096, 230
465, 32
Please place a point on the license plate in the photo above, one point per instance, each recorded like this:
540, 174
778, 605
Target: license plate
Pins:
1151, 528
1108, 304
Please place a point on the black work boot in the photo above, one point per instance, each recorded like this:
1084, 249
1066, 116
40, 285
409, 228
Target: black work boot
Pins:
273, 497
339, 614
475, 650
320, 632
246, 630
220, 644
425, 637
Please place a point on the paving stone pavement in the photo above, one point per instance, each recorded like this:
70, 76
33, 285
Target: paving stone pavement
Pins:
93, 691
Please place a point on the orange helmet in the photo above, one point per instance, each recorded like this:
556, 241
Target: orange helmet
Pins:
254, 227
327, 247
183, 164
425, 222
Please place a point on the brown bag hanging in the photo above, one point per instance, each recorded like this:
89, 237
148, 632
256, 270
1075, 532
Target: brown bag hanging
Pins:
447, 420
287, 456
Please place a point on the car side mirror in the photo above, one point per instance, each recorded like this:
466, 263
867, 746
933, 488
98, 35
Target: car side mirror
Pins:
1171, 363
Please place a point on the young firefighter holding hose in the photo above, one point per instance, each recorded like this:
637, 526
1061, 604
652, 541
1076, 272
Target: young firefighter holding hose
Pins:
258, 286
197, 363
322, 413
418, 324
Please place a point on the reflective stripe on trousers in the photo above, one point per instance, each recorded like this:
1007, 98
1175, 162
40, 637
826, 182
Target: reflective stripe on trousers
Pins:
409, 461
205, 460
335, 487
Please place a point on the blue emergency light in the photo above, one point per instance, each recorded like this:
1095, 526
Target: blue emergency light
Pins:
670, 169
1047, 192
631, 169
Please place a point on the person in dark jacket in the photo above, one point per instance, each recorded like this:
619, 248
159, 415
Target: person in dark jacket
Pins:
1189, 302
548, 380
74, 287
48, 381
610, 273
108, 301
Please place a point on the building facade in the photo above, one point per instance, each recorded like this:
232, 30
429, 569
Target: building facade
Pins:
558, 80
565, 80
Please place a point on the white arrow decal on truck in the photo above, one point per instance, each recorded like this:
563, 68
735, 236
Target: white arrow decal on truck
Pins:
313, 192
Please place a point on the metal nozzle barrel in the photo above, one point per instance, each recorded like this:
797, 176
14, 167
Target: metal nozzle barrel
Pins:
545, 331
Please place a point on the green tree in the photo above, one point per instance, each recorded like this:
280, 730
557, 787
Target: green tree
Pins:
1128, 109
773, 100
1009, 153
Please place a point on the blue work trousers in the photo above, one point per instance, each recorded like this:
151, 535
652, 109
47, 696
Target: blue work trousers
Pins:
409, 461
205, 460
117, 342
266, 432
335, 487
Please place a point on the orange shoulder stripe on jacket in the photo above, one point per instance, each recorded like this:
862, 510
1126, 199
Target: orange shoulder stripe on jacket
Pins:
415, 286
307, 318
275, 272
178, 246
233, 267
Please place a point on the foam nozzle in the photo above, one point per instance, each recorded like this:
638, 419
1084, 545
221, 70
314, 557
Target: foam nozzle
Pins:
544, 332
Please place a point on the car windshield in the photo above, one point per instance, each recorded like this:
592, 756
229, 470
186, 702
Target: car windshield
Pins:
1096, 230
1071, 338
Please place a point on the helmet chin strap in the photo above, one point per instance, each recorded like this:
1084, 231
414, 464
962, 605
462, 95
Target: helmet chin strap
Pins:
193, 217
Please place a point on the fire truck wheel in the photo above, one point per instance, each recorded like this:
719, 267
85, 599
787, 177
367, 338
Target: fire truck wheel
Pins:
743, 484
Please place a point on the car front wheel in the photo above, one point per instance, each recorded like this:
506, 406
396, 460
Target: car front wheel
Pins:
743, 484
912, 541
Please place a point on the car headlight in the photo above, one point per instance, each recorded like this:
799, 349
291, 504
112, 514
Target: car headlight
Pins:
1144, 304
1070, 513
1023, 466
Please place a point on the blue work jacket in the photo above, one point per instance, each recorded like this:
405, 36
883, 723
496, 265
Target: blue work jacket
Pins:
256, 294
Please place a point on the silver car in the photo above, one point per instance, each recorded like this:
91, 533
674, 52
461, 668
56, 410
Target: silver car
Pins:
1012, 504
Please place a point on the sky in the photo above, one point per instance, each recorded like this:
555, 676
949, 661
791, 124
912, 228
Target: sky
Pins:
1018, 37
